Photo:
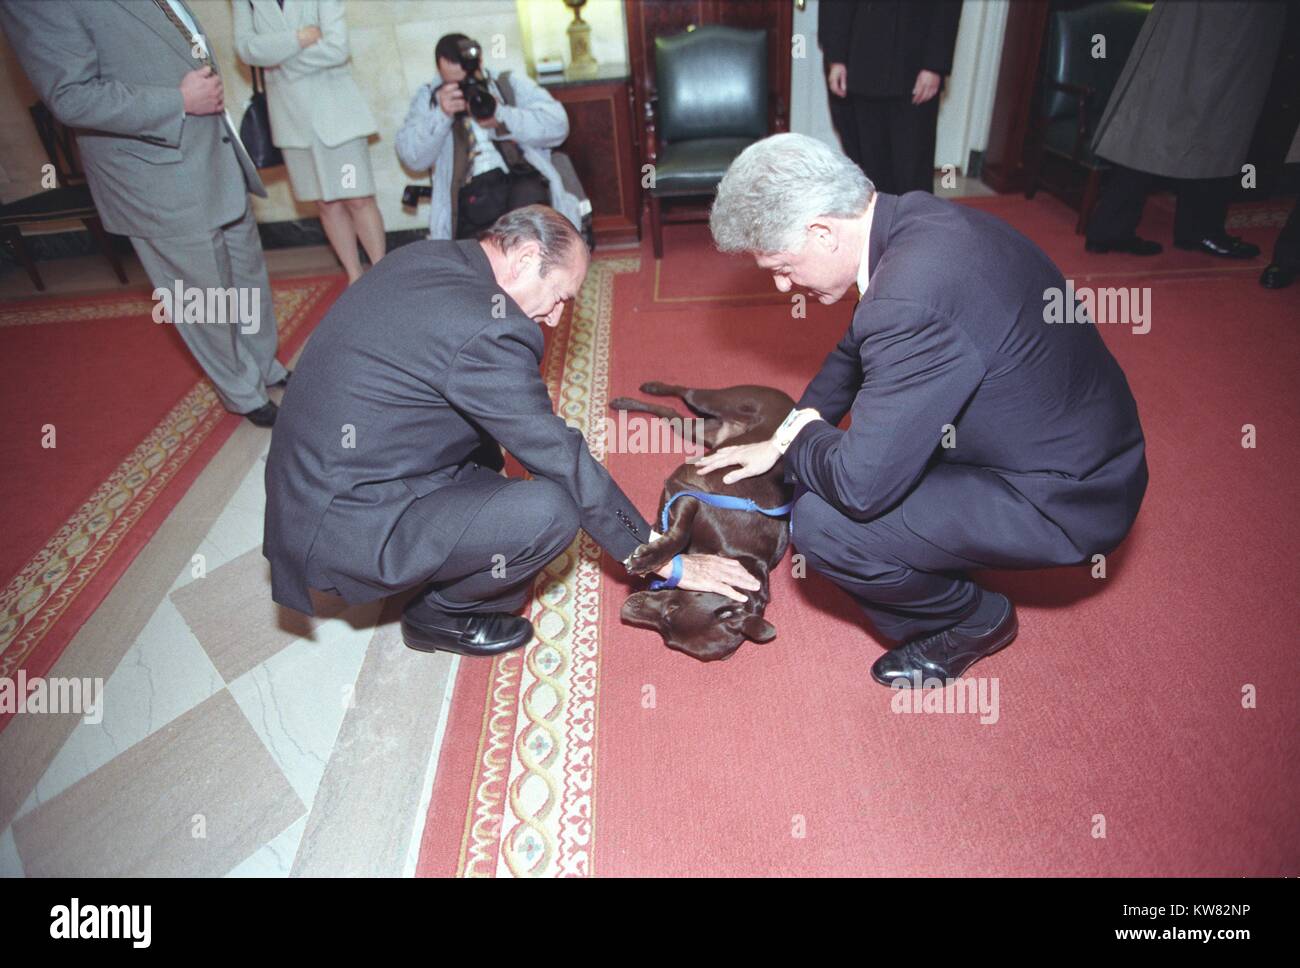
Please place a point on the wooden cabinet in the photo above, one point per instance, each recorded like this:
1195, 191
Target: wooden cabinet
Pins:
603, 147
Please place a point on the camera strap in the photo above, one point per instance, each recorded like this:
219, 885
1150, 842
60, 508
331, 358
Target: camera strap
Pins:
510, 150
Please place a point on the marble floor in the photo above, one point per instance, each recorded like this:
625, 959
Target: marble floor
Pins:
236, 738
227, 722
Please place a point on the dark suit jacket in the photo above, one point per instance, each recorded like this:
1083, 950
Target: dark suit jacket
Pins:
886, 43
951, 331
411, 360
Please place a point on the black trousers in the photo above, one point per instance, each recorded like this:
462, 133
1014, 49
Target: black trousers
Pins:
1201, 213
521, 527
907, 574
889, 138
1286, 252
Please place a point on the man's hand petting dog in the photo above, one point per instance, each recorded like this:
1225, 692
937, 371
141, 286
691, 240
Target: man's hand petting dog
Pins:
706, 573
751, 460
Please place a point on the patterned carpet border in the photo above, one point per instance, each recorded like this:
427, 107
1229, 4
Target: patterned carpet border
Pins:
530, 807
42, 591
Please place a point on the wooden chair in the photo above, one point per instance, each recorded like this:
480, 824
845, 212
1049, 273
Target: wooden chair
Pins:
709, 104
1073, 94
69, 199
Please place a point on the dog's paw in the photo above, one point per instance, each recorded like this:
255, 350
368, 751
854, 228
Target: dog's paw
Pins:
625, 403
657, 389
649, 557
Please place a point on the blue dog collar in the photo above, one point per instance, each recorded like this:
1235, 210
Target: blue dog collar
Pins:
672, 580
723, 501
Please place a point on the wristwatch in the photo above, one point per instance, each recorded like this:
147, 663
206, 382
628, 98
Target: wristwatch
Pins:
790, 427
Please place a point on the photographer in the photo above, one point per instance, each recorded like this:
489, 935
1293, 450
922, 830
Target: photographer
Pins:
488, 157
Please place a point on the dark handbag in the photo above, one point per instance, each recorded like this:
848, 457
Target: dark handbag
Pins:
255, 129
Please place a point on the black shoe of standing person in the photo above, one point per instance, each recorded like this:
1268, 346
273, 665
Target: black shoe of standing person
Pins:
1221, 246
946, 655
285, 382
263, 416
427, 629
1130, 246
1275, 277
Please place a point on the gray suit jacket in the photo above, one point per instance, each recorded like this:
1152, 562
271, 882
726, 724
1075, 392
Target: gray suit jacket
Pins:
407, 379
112, 70
310, 92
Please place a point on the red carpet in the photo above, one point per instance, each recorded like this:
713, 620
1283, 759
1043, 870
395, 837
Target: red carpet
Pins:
134, 421
1122, 744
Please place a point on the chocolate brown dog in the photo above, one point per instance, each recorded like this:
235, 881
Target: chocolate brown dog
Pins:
706, 625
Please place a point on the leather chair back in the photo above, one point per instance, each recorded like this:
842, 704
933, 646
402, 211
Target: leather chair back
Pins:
712, 83
1068, 54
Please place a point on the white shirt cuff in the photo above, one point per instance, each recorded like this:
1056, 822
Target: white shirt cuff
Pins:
654, 536
789, 429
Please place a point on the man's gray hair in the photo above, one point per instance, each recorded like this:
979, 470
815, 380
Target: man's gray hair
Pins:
542, 224
777, 186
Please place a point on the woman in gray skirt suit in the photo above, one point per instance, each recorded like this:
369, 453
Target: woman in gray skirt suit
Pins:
319, 120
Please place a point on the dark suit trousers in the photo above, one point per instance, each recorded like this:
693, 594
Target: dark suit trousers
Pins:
1201, 213
1286, 252
514, 534
890, 139
903, 573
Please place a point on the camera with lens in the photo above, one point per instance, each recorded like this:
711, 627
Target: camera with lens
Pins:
482, 105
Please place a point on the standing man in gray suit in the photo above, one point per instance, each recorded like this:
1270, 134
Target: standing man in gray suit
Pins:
165, 166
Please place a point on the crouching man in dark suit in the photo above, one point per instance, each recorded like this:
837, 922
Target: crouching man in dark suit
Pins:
384, 468
981, 435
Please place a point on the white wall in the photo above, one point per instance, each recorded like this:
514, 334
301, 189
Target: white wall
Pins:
967, 105
810, 111
546, 22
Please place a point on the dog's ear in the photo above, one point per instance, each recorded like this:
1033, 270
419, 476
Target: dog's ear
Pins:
758, 629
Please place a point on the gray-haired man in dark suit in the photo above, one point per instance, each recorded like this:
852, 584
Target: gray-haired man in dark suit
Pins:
384, 468
983, 435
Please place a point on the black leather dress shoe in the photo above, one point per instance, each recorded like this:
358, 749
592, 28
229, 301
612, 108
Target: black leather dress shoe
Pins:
264, 416
1222, 246
944, 655
468, 633
1131, 246
1275, 277
285, 381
